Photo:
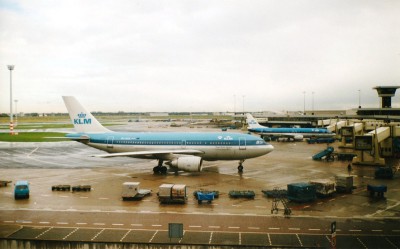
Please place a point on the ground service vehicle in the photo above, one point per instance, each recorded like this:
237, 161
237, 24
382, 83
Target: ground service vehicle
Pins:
21, 190
132, 191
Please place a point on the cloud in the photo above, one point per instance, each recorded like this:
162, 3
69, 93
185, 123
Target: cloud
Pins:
196, 55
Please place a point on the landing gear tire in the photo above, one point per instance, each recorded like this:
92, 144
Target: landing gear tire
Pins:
156, 170
163, 170
160, 170
240, 168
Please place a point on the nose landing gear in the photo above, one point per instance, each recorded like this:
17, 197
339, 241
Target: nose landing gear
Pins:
240, 167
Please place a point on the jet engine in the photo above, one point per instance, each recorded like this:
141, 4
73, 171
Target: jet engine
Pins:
187, 163
298, 137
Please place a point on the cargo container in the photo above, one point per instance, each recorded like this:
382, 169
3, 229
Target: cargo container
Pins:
384, 173
301, 192
323, 187
379, 189
172, 193
344, 183
132, 191
21, 190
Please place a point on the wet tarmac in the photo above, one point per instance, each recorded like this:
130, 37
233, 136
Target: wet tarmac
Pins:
101, 215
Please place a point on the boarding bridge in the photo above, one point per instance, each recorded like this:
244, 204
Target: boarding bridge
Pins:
348, 133
336, 126
372, 147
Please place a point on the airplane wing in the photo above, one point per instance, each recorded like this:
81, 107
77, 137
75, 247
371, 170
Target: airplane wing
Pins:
157, 154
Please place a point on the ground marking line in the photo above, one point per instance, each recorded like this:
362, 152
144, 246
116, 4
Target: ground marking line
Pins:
301, 244
43, 232
294, 228
24, 222
76, 229
33, 151
390, 242
126, 234
182, 237
97, 234
154, 235
269, 240
214, 226
240, 238
211, 235
362, 243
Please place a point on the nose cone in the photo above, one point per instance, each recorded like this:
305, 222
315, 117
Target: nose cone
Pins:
268, 148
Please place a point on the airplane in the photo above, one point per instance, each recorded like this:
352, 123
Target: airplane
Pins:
289, 133
180, 150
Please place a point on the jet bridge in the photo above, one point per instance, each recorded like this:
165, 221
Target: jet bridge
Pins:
333, 125
348, 133
372, 147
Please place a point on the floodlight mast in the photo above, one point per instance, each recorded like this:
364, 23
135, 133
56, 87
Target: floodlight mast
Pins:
11, 67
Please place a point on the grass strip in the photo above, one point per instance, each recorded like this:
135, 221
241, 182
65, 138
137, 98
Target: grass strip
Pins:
33, 137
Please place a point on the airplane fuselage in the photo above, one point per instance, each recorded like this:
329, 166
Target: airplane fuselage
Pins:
214, 146
289, 130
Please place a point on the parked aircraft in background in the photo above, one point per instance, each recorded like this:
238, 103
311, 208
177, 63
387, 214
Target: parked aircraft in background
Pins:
180, 150
290, 133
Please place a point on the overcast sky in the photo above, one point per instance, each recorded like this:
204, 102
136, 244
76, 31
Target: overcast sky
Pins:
198, 55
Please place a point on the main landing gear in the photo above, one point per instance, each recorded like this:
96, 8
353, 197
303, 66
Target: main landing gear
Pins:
240, 167
159, 169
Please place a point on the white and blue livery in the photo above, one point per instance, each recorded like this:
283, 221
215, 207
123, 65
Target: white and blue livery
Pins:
180, 150
294, 133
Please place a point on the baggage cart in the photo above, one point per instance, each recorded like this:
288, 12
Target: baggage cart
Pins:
61, 187
249, 194
200, 196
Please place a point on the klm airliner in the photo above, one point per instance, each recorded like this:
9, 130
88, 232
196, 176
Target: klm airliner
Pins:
179, 150
294, 133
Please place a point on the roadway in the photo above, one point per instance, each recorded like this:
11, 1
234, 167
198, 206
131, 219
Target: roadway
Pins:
361, 221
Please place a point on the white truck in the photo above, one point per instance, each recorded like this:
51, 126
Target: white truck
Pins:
132, 191
172, 193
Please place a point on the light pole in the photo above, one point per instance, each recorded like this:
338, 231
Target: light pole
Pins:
11, 67
359, 98
16, 112
234, 104
243, 103
304, 103
312, 102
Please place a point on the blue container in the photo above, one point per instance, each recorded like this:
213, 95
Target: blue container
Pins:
301, 192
